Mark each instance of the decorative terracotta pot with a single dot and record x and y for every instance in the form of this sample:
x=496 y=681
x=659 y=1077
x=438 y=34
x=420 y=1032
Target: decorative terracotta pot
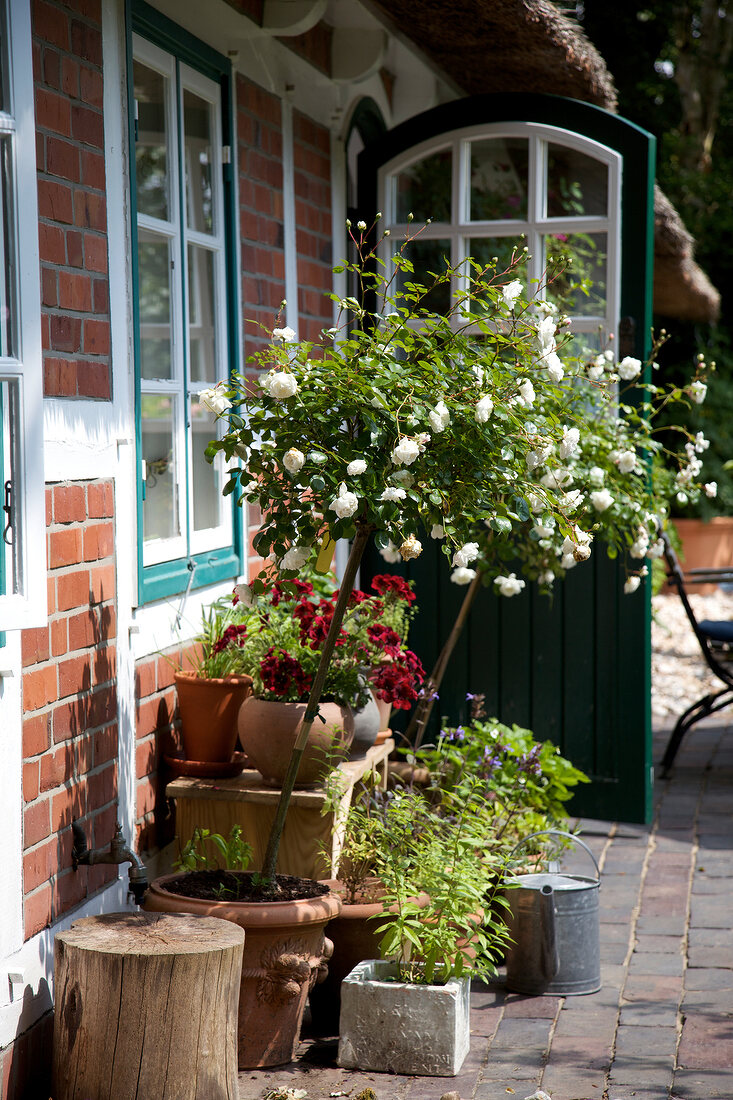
x=705 y=545
x=267 y=730
x=284 y=950
x=208 y=710
x=355 y=938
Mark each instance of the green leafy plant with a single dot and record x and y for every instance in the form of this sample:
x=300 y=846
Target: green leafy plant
x=232 y=853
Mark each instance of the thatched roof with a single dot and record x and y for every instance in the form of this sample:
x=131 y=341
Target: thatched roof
x=529 y=46
x=681 y=289
x=503 y=46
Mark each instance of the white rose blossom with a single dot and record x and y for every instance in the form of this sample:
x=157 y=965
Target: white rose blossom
x=405 y=452
x=698 y=392
x=295 y=557
x=244 y=595
x=561 y=478
x=629 y=368
x=437 y=531
x=293 y=460
x=577 y=545
x=554 y=367
x=569 y=444
x=390 y=553
x=439 y=417
x=356 y=466
x=393 y=494
x=462 y=575
x=281 y=385
x=571 y=501
x=656 y=550
x=411 y=548
x=284 y=335
x=601 y=500
x=345 y=504
x=546 y=335
x=483 y=410
x=215 y=400
x=626 y=461
x=526 y=391
x=511 y=292
x=539 y=455
x=510 y=585
x=544 y=531
x=631 y=585
x=711 y=489
x=596 y=475
x=465 y=555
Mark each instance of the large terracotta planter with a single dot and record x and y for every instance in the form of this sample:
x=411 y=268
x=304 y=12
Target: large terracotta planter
x=705 y=545
x=355 y=938
x=209 y=710
x=284 y=949
x=267 y=730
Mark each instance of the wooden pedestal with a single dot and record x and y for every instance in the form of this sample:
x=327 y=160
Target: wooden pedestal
x=146 y=1006
x=312 y=839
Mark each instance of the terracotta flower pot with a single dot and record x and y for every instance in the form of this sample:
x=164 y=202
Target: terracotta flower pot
x=385 y=711
x=209 y=710
x=355 y=938
x=267 y=730
x=284 y=949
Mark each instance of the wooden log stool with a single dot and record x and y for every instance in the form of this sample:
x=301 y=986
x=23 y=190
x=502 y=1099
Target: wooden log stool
x=146 y=1008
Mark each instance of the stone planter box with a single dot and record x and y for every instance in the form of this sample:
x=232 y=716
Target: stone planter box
x=395 y=1027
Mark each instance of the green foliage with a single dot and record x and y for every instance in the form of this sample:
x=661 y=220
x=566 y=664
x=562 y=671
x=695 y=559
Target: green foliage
x=526 y=783
x=231 y=854
x=214 y=657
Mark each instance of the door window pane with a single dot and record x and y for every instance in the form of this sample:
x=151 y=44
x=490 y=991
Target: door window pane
x=429 y=259
x=201 y=315
x=151 y=147
x=498 y=179
x=208 y=501
x=160 y=508
x=154 y=279
x=7 y=254
x=424 y=189
x=197 y=153
x=576 y=183
x=589 y=256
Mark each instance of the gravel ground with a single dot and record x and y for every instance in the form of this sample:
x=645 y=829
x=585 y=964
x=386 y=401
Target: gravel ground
x=679 y=674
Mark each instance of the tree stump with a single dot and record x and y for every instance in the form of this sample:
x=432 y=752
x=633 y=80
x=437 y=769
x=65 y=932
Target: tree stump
x=146 y=1008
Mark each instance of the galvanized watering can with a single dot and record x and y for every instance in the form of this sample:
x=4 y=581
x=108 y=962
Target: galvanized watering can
x=554 y=926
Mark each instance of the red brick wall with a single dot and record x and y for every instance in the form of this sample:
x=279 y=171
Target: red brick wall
x=311 y=150
x=70 y=704
x=67 y=68
x=259 y=139
x=156 y=736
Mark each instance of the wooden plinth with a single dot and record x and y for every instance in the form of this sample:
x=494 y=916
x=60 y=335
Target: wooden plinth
x=146 y=1006
x=312 y=840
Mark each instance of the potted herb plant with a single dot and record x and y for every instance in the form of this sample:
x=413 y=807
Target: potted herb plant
x=211 y=689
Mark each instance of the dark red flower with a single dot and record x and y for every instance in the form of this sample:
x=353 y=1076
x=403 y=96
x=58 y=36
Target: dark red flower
x=236 y=633
x=388 y=582
x=280 y=672
x=382 y=635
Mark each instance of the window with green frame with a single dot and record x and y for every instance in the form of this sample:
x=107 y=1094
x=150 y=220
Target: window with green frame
x=184 y=299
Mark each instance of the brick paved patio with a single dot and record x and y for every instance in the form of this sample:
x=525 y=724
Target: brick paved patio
x=662 y=1025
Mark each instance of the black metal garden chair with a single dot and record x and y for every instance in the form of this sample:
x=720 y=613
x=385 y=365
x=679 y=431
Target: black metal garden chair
x=716 y=644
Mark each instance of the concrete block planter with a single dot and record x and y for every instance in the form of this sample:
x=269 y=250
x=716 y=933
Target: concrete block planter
x=396 y=1027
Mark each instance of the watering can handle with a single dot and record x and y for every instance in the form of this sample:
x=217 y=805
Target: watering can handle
x=557 y=832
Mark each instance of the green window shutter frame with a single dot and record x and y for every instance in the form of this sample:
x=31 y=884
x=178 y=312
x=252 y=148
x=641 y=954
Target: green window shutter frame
x=172 y=577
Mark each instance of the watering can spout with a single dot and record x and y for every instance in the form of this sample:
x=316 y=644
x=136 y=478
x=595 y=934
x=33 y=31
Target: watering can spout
x=549 y=959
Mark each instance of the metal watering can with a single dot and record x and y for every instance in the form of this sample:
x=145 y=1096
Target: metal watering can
x=555 y=931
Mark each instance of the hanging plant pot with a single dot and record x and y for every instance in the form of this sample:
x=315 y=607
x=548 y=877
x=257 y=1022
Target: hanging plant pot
x=284 y=951
x=268 y=729
x=209 y=710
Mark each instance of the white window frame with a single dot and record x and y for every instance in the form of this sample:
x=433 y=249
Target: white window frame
x=24 y=604
x=459 y=231
x=180 y=387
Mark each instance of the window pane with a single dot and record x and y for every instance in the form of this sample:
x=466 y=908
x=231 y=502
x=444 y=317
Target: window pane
x=424 y=189
x=9 y=527
x=154 y=279
x=207 y=478
x=576 y=183
x=485 y=249
x=589 y=256
x=499 y=179
x=160 y=508
x=7 y=254
x=201 y=314
x=197 y=150
x=151 y=148
x=428 y=257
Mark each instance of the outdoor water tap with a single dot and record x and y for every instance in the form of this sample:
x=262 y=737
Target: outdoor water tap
x=117 y=852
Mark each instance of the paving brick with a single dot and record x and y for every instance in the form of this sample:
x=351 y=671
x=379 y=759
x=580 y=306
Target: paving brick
x=708 y=980
x=650 y=962
x=710 y=956
x=649 y=1015
x=701 y=1084
x=638 y=1041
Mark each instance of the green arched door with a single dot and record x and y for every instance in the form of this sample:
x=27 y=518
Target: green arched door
x=491 y=172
